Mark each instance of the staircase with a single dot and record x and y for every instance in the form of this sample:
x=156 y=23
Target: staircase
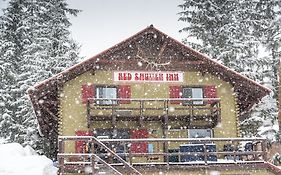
x=91 y=163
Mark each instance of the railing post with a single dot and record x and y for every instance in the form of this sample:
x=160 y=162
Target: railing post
x=263 y=147
x=61 y=158
x=141 y=119
x=166 y=107
x=130 y=156
x=165 y=134
x=93 y=161
x=234 y=151
x=205 y=154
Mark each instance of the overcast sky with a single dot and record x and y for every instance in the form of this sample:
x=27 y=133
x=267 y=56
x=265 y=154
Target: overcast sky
x=104 y=23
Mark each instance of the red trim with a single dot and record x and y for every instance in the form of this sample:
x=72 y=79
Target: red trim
x=139 y=147
x=210 y=92
x=81 y=146
x=124 y=91
x=88 y=92
x=175 y=92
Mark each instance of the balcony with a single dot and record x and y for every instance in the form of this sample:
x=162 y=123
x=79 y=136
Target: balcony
x=200 y=152
x=158 y=109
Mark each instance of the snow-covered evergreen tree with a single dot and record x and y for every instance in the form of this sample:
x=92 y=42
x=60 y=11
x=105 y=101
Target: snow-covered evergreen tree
x=13 y=38
x=233 y=32
x=35 y=44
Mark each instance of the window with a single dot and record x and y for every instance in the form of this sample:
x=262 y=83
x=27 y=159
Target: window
x=103 y=92
x=200 y=133
x=208 y=92
x=193 y=92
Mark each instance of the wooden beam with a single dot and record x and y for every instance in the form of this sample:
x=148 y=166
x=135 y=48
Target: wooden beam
x=49 y=112
x=141 y=117
x=162 y=50
x=51 y=102
x=145 y=118
x=113 y=121
x=165 y=135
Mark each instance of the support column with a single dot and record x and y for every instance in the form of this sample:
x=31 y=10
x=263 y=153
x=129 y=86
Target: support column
x=88 y=114
x=165 y=135
x=141 y=118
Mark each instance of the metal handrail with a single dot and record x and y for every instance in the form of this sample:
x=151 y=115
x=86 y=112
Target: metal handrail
x=126 y=164
x=95 y=141
x=108 y=165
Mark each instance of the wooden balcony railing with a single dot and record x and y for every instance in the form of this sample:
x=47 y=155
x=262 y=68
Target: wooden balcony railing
x=181 y=151
x=150 y=109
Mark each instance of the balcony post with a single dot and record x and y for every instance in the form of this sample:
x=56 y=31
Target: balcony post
x=235 y=151
x=141 y=113
x=205 y=153
x=61 y=158
x=263 y=147
x=165 y=134
x=93 y=161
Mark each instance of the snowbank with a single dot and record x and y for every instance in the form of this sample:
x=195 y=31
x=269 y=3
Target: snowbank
x=18 y=160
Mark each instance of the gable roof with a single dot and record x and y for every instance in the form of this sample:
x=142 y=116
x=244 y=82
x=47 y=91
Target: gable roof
x=155 y=51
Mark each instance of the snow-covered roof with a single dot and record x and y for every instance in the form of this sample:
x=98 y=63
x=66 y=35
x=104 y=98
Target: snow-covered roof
x=155 y=51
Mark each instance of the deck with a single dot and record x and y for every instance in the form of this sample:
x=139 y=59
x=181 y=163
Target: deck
x=155 y=109
x=206 y=152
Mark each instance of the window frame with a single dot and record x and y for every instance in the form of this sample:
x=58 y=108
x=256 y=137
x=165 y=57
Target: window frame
x=98 y=102
x=207 y=129
x=185 y=103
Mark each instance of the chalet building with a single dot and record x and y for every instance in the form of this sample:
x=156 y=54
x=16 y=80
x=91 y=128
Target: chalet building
x=150 y=105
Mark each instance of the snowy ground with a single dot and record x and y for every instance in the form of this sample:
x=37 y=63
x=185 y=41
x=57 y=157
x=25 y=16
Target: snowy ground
x=18 y=160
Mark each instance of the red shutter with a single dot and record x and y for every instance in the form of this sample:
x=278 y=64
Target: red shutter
x=81 y=146
x=139 y=147
x=210 y=92
x=124 y=91
x=175 y=92
x=88 y=92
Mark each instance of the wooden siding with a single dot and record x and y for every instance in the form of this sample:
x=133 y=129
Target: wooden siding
x=73 y=112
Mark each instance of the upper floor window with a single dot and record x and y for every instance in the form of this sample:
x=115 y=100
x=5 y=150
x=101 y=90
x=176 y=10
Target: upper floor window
x=196 y=93
x=106 y=93
x=91 y=92
x=193 y=92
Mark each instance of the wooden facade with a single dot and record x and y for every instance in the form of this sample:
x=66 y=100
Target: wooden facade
x=149 y=87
